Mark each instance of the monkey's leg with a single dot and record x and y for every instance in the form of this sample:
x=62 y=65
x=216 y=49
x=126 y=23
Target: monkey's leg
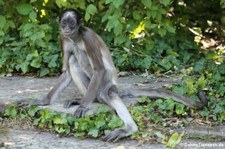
x=63 y=82
x=80 y=79
x=130 y=126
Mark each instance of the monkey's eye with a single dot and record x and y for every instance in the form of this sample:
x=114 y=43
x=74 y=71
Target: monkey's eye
x=63 y=22
x=72 y=23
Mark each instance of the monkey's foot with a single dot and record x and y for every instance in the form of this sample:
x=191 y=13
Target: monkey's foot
x=80 y=111
x=31 y=102
x=69 y=103
x=116 y=135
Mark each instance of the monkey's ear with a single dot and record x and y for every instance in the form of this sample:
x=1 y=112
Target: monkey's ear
x=80 y=21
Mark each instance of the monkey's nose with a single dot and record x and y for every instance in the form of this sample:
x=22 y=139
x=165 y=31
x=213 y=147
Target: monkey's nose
x=67 y=29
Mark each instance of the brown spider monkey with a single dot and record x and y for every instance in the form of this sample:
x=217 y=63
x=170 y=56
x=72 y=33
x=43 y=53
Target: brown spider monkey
x=87 y=61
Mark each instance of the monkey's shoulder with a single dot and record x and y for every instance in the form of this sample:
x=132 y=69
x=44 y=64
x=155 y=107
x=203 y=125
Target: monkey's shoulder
x=87 y=32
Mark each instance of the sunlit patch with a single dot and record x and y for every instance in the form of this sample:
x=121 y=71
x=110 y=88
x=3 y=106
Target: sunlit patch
x=43 y=13
x=44 y=2
x=8 y=144
x=137 y=33
x=31 y=90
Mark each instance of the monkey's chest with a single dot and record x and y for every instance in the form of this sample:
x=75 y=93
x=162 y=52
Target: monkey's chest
x=83 y=61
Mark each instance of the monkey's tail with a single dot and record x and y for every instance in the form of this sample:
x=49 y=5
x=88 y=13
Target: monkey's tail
x=165 y=94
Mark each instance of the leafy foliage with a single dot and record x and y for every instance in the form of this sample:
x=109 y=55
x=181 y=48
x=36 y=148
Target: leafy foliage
x=150 y=34
x=94 y=125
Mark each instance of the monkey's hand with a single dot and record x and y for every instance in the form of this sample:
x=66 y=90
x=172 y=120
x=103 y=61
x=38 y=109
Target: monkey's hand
x=39 y=102
x=116 y=135
x=81 y=111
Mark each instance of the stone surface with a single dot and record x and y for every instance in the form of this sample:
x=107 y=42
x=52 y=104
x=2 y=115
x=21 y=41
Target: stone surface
x=17 y=88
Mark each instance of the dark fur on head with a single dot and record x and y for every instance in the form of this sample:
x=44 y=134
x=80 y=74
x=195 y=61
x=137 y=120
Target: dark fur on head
x=75 y=12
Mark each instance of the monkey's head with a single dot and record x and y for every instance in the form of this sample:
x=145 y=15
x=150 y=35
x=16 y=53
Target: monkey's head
x=70 y=21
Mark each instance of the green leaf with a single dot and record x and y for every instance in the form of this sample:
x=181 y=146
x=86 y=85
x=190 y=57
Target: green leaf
x=218 y=109
x=118 y=3
x=108 y=1
x=11 y=24
x=1 y=41
x=170 y=104
x=37 y=35
x=101 y=109
x=2 y=33
x=202 y=82
x=87 y=16
x=119 y=40
x=33 y=110
x=32 y=1
x=94 y=132
x=57 y=120
x=200 y=65
x=162 y=32
x=115 y=122
x=26 y=27
x=60 y=129
x=180 y=108
x=147 y=3
x=174 y=139
x=165 y=63
x=44 y=72
x=180 y=90
x=2 y=21
x=91 y=9
x=137 y=15
x=222 y=2
x=24 y=9
x=165 y=2
x=36 y=63
x=147 y=62
x=100 y=123
x=170 y=29
x=24 y=67
x=118 y=29
x=33 y=15
x=11 y=111
x=61 y=3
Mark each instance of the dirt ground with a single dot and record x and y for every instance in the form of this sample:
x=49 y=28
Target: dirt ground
x=17 y=88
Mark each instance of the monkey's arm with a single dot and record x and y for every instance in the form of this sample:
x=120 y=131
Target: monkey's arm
x=95 y=58
x=66 y=55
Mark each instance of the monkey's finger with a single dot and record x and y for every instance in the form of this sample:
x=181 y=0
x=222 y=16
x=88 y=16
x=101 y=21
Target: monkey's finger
x=107 y=137
x=111 y=138
x=67 y=104
x=83 y=113
x=77 y=113
x=118 y=138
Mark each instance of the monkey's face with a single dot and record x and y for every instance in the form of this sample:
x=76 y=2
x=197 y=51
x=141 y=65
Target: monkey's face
x=69 y=23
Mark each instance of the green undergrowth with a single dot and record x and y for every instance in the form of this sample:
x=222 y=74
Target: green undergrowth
x=100 y=123
x=157 y=120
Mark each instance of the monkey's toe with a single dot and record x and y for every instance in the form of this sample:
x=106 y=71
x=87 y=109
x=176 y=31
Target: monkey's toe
x=115 y=135
x=80 y=111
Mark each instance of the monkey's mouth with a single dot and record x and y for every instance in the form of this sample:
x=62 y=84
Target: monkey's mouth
x=67 y=32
